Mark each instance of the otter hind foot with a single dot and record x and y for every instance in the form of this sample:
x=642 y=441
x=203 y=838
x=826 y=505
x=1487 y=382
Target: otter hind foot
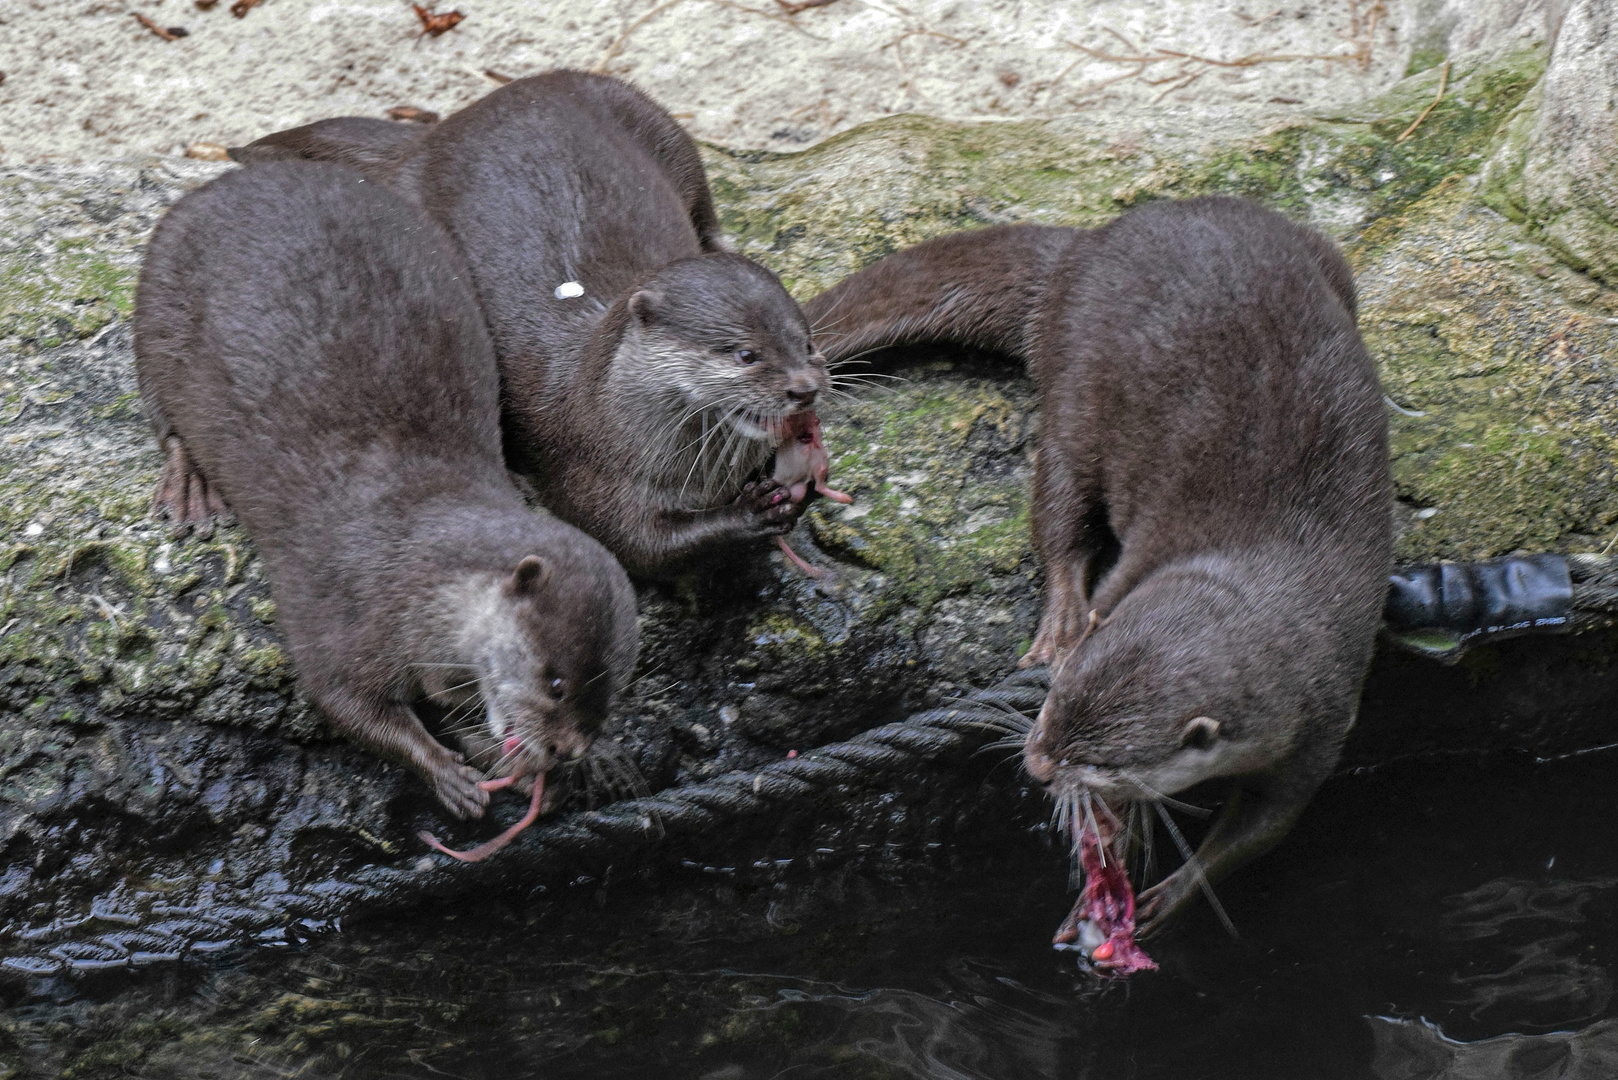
x=184 y=494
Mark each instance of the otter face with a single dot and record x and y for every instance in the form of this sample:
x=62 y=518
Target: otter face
x=723 y=335
x=1169 y=691
x=551 y=646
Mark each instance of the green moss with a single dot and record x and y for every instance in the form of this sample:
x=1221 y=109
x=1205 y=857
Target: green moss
x=824 y=212
x=1515 y=442
x=64 y=295
x=921 y=516
x=786 y=637
x=1424 y=58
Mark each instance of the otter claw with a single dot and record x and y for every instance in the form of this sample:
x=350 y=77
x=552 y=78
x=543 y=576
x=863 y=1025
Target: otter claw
x=459 y=789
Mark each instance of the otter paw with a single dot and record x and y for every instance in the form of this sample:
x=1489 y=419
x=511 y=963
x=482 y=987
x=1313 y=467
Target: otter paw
x=184 y=495
x=1039 y=654
x=1161 y=904
x=457 y=788
x=771 y=507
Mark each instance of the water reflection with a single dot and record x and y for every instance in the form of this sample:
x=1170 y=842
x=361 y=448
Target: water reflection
x=1420 y=923
x=1407 y=1050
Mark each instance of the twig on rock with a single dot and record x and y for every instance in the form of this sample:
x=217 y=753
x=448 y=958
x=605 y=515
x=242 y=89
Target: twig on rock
x=172 y=33
x=622 y=39
x=435 y=25
x=1443 y=81
x=412 y=114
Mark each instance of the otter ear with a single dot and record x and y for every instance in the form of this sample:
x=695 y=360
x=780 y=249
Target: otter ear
x=646 y=305
x=529 y=573
x=1199 y=733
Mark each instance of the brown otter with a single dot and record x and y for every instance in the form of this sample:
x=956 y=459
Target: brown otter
x=646 y=371
x=1211 y=495
x=311 y=345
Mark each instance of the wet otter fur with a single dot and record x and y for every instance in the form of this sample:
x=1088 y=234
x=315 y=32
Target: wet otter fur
x=309 y=346
x=647 y=372
x=1211 y=497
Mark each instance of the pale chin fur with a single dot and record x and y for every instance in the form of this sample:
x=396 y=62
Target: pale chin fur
x=491 y=647
x=749 y=430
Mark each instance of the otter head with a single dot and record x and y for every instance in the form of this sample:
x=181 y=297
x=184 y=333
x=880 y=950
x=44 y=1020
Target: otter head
x=721 y=336
x=1192 y=677
x=551 y=642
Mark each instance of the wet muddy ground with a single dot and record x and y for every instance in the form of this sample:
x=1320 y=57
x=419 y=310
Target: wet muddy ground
x=1424 y=920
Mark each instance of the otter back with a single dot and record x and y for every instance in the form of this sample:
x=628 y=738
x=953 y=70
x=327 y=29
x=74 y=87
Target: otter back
x=645 y=370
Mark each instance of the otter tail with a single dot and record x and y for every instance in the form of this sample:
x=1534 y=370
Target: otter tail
x=357 y=141
x=978 y=288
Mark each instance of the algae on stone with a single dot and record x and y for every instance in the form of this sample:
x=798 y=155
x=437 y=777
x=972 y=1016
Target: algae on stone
x=155 y=745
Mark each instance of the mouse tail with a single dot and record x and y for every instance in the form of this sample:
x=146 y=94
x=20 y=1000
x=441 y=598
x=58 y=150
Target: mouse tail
x=978 y=289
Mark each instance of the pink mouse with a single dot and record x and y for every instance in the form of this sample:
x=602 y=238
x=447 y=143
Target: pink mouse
x=801 y=460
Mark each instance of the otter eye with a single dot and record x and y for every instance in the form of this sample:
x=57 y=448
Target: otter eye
x=556 y=688
x=1199 y=733
x=746 y=356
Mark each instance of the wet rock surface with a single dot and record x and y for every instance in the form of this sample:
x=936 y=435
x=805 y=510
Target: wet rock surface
x=164 y=788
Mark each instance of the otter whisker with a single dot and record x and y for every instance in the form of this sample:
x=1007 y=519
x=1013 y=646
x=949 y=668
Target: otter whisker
x=1141 y=826
x=824 y=323
x=867 y=352
x=453 y=718
x=1013 y=743
x=458 y=686
x=1159 y=797
x=1196 y=868
x=697 y=456
x=839 y=377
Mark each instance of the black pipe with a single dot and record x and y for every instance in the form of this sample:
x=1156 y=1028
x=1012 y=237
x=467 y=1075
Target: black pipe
x=1441 y=609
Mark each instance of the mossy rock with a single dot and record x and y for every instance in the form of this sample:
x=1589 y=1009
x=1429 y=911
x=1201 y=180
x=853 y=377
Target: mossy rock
x=157 y=755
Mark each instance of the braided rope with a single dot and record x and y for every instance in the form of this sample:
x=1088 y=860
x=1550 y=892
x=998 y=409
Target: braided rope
x=219 y=919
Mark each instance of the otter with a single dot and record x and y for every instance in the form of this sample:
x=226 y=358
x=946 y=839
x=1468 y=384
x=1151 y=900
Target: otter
x=1211 y=497
x=311 y=354
x=647 y=370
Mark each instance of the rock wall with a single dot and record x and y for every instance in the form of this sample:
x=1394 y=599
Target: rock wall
x=158 y=763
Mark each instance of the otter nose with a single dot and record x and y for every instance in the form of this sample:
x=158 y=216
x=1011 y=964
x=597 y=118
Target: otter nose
x=802 y=397
x=1039 y=765
x=567 y=747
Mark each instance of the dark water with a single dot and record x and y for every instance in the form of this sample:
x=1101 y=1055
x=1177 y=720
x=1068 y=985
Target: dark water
x=1427 y=920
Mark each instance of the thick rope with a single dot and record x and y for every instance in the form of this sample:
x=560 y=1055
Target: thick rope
x=217 y=919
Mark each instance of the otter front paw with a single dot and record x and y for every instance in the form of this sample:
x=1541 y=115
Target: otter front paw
x=1062 y=629
x=770 y=507
x=1161 y=904
x=457 y=788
